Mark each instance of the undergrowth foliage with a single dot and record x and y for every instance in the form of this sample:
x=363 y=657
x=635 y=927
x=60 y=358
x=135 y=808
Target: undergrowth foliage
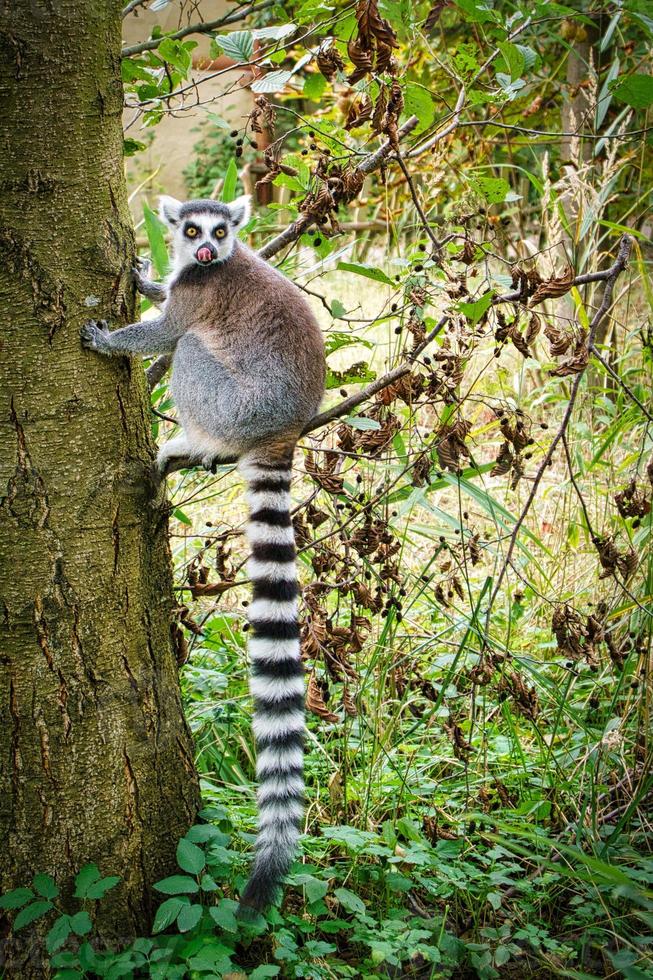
x=473 y=518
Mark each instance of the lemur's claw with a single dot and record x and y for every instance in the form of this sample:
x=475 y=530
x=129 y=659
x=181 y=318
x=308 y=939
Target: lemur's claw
x=144 y=265
x=93 y=333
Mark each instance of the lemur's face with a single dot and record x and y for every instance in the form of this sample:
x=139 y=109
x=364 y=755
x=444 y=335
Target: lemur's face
x=204 y=232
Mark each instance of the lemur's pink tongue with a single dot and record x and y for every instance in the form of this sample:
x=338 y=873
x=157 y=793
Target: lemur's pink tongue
x=203 y=255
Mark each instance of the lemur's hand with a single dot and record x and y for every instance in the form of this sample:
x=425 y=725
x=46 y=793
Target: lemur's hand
x=95 y=335
x=141 y=272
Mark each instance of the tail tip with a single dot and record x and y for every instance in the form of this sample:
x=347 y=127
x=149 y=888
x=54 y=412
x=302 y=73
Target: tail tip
x=260 y=892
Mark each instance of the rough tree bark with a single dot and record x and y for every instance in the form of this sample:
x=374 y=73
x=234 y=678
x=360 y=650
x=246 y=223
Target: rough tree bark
x=95 y=756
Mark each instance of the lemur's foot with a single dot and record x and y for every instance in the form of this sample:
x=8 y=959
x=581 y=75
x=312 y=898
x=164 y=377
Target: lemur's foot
x=211 y=463
x=94 y=335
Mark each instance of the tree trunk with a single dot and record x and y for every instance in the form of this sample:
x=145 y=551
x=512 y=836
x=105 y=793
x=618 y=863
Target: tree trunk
x=95 y=756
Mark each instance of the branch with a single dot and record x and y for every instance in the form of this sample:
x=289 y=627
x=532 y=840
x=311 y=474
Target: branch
x=132 y=5
x=344 y=407
x=202 y=27
x=610 y=276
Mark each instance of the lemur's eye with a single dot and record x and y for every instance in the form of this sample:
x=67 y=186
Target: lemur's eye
x=220 y=232
x=191 y=231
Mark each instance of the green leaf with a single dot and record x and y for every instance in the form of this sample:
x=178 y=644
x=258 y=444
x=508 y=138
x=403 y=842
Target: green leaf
x=230 y=182
x=369 y=271
x=476 y=11
x=266 y=970
x=16 y=899
x=176 y=54
x=177 y=885
x=474 y=311
x=362 y=422
x=493 y=189
x=201 y=833
x=337 y=309
x=190 y=857
x=154 y=228
x=314 y=887
x=238 y=45
x=314 y=86
x=274 y=33
x=81 y=923
x=131 y=146
x=418 y=102
x=179 y=514
x=513 y=58
x=188 y=917
x=29 y=914
x=45 y=886
x=350 y=901
x=224 y=914
x=99 y=888
x=636 y=91
x=167 y=913
x=85 y=878
x=274 y=81
x=58 y=934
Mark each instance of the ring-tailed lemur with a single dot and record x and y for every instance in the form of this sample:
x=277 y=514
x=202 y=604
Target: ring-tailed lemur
x=248 y=374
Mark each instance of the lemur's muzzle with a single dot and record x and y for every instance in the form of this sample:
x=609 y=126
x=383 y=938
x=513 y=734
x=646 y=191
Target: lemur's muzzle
x=206 y=254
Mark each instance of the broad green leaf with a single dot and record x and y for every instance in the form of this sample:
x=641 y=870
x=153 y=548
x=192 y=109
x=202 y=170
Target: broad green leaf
x=266 y=970
x=85 y=878
x=177 y=54
x=230 y=182
x=635 y=91
x=30 y=913
x=274 y=81
x=203 y=832
x=99 y=888
x=16 y=899
x=238 y=45
x=418 y=102
x=224 y=914
x=58 y=934
x=188 y=917
x=275 y=33
x=314 y=887
x=154 y=228
x=177 y=885
x=167 y=913
x=45 y=886
x=337 y=309
x=362 y=422
x=81 y=923
x=314 y=86
x=493 y=189
x=190 y=857
x=476 y=310
x=350 y=901
x=369 y=271
x=130 y=147
x=513 y=57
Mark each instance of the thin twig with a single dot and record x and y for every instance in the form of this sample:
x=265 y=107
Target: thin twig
x=132 y=5
x=202 y=27
x=631 y=394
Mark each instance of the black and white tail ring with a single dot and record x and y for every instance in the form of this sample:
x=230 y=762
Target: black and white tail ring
x=277 y=677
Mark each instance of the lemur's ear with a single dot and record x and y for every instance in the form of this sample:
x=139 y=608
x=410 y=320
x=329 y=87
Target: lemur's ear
x=169 y=210
x=241 y=210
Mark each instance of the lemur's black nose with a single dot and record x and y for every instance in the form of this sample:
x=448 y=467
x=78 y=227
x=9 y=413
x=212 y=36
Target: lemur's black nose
x=206 y=253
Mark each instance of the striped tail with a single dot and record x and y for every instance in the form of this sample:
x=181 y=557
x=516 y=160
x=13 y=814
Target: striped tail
x=277 y=676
